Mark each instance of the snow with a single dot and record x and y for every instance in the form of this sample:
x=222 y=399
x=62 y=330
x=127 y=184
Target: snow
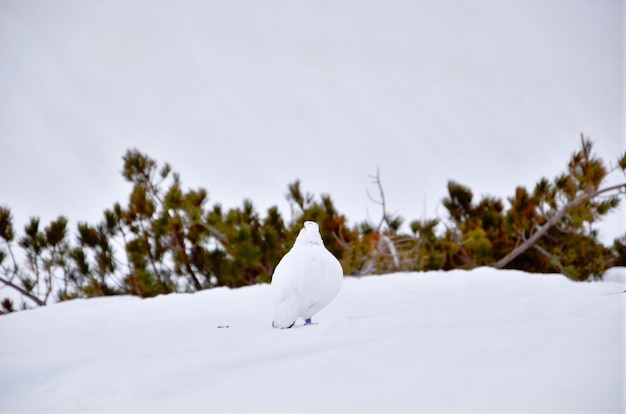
x=459 y=341
x=306 y=279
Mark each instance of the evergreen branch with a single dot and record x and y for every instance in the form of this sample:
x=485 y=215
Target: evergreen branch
x=586 y=195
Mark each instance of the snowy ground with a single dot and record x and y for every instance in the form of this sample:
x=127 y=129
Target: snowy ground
x=483 y=340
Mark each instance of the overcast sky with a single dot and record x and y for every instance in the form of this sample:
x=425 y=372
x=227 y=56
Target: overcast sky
x=244 y=97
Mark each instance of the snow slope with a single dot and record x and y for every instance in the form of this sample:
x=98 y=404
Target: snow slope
x=483 y=340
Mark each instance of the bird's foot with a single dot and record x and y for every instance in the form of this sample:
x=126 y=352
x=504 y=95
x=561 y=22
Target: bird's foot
x=308 y=321
x=290 y=326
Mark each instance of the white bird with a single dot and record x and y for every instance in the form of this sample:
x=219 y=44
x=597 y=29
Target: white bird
x=305 y=280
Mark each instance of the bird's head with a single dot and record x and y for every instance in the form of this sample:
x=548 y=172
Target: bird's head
x=310 y=234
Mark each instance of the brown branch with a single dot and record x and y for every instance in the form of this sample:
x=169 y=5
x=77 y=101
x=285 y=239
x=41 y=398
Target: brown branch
x=180 y=244
x=23 y=291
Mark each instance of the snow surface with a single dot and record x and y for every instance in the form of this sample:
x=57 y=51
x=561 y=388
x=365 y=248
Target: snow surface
x=481 y=340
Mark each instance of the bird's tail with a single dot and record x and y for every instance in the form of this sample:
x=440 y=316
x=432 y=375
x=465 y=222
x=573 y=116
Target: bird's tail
x=285 y=314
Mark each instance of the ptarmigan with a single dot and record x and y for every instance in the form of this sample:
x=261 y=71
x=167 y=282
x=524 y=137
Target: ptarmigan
x=305 y=280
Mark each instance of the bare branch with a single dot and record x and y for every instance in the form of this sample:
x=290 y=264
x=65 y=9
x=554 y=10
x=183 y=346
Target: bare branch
x=382 y=202
x=344 y=244
x=391 y=248
x=552 y=259
x=215 y=233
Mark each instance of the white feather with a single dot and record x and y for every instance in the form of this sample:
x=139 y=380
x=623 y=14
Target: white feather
x=306 y=279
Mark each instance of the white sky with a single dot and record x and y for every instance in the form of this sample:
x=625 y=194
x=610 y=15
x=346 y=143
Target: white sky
x=244 y=97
